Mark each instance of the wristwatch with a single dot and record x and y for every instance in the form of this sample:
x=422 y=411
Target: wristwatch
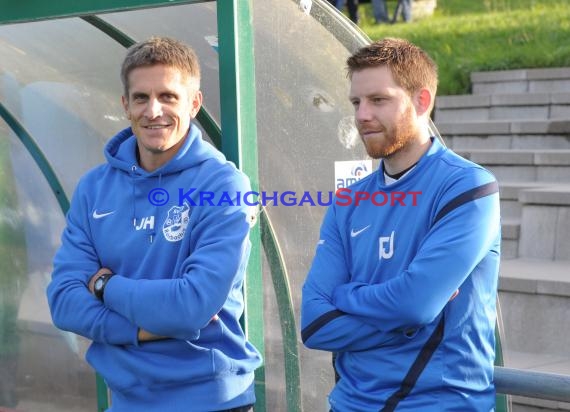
x=99 y=286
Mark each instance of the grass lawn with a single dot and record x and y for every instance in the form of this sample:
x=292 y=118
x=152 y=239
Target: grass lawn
x=478 y=35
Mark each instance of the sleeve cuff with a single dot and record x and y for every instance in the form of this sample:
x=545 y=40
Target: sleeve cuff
x=121 y=331
x=117 y=295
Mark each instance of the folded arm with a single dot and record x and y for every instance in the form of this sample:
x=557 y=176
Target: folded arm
x=212 y=272
x=465 y=232
x=324 y=326
x=73 y=307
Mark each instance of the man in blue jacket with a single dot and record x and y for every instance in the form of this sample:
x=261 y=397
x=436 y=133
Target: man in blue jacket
x=148 y=270
x=404 y=281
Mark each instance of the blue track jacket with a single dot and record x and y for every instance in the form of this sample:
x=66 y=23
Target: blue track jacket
x=378 y=292
x=176 y=265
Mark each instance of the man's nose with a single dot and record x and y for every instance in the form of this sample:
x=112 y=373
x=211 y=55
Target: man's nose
x=363 y=112
x=153 y=109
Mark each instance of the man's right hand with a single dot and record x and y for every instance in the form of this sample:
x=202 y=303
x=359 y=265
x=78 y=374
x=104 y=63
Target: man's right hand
x=144 y=336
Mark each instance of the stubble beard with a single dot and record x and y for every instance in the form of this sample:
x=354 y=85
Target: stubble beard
x=395 y=139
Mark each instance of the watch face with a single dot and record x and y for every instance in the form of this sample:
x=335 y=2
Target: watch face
x=99 y=283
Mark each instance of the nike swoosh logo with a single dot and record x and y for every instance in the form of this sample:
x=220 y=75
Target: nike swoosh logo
x=100 y=215
x=356 y=233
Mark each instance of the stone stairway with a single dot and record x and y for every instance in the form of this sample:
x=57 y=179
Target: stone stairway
x=517 y=124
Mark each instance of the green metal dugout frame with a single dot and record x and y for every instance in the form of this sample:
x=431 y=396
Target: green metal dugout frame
x=38 y=156
x=237 y=97
x=34 y=10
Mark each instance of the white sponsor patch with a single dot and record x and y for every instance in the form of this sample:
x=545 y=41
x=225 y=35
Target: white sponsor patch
x=350 y=171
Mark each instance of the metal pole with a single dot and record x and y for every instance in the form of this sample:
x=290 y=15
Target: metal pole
x=532 y=384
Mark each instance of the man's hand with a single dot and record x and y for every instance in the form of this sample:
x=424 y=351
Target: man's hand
x=96 y=276
x=454 y=295
x=144 y=336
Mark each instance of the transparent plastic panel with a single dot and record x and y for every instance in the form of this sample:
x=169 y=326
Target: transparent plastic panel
x=305 y=129
x=194 y=24
x=41 y=367
x=304 y=126
x=60 y=79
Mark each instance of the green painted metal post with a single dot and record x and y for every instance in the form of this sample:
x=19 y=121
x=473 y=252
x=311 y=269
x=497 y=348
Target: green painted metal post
x=38 y=156
x=289 y=329
x=102 y=393
x=239 y=144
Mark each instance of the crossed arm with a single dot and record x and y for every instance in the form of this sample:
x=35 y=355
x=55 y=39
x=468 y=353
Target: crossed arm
x=323 y=324
x=129 y=313
x=341 y=315
x=142 y=335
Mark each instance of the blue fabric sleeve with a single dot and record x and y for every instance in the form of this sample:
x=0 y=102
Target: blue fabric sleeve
x=323 y=326
x=180 y=307
x=449 y=253
x=73 y=307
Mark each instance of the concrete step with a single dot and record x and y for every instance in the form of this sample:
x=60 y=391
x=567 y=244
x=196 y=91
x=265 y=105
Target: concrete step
x=527 y=106
x=506 y=134
x=542 y=157
x=523 y=164
x=535 y=298
x=545 y=222
x=535 y=220
x=553 y=195
x=521 y=81
x=511 y=208
x=510 y=230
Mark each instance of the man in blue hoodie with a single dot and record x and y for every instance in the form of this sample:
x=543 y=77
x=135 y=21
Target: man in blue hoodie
x=148 y=270
x=403 y=284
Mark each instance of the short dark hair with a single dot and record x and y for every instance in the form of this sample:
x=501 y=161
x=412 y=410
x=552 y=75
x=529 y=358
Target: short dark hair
x=411 y=67
x=160 y=50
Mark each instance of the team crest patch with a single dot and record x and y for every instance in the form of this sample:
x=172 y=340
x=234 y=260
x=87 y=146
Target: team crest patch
x=176 y=222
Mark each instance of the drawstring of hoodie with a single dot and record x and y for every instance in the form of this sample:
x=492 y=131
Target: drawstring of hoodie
x=133 y=170
x=153 y=232
x=150 y=231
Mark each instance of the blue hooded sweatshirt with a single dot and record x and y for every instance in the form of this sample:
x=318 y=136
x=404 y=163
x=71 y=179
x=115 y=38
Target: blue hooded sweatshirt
x=177 y=242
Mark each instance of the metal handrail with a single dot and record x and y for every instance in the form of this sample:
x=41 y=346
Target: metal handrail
x=532 y=384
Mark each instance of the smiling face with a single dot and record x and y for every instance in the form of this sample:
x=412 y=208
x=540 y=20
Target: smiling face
x=384 y=112
x=161 y=102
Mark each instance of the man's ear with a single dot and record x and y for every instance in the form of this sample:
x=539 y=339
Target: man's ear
x=125 y=102
x=424 y=102
x=196 y=104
